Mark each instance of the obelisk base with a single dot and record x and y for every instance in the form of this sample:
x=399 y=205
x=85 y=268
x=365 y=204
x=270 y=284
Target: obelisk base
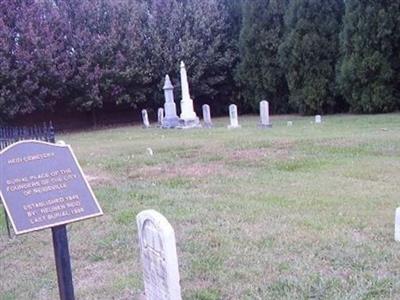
x=189 y=123
x=169 y=123
x=265 y=126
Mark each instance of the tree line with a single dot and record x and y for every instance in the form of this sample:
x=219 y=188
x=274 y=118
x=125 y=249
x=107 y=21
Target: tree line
x=303 y=56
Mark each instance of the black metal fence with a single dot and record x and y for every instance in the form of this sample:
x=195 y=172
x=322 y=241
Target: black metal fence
x=10 y=135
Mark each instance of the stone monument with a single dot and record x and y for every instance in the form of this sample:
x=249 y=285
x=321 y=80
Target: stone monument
x=171 y=119
x=318 y=119
x=188 y=116
x=207 y=116
x=145 y=117
x=264 y=115
x=160 y=116
x=397 y=225
x=233 y=117
x=159 y=258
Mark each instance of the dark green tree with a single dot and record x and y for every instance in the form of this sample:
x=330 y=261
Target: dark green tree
x=259 y=72
x=206 y=51
x=195 y=32
x=370 y=43
x=310 y=53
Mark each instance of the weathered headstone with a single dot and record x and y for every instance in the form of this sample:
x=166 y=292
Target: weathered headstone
x=188 y=116
x=145 y=117
x=160 y=116
x=397 y=225
x=159 y=258
x=233 y=117
x=318 y=119
x=207 y=116
x=171 y=119
x=264 y=115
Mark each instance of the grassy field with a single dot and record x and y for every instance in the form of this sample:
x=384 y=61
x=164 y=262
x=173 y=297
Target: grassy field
x=295 y=212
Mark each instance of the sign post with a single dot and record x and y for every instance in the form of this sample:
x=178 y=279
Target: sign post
x=42 y=186
x=63 y=262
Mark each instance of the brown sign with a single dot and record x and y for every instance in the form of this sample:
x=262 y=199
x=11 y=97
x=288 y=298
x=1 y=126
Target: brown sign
x=42 y=185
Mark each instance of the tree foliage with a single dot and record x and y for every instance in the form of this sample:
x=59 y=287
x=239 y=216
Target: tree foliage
x=370 y=44
x=88 y=55
x=259 y=72
x=310 y=52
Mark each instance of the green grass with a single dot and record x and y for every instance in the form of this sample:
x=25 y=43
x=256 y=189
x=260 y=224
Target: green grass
x=301 y=212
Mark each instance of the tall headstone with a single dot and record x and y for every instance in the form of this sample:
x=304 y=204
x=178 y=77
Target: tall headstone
x=171 y=119
x=160 y=116
x=188 y=116
x=145 y=117
x=318 y=119
x=159 y=258
x=264 y=115
x=233 y=117
x=207 y=116
x=397 y=225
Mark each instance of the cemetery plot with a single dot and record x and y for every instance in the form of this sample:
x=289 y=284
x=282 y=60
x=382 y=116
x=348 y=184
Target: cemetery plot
x=159 y=258
x=42 y=186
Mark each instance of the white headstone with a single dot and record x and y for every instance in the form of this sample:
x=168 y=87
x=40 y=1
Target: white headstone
x=318 y=119
x=233 y=117
x=207 y=116
x=145 y=117
x=289 y=123
x=159 y=258
x=397 y=226
x=160 y=116
x=188 y=115
x=264 y=115
x=171 y=119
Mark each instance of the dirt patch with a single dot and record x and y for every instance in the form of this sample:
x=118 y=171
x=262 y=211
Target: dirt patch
x=339 y=142
x=260 y=154
x=194 y=170
x=98 y=178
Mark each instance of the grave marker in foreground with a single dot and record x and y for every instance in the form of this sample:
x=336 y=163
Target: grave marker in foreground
x=159 y=258
x=42 y=186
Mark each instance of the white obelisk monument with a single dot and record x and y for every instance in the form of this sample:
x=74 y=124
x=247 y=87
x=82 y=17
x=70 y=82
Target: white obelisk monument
x=171 y=119
x=188 y=116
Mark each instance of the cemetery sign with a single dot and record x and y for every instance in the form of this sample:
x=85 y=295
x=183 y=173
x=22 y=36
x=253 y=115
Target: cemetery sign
x=42 y=186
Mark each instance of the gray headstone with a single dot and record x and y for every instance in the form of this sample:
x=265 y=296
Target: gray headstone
x=145 y=117
x=318 y=119
x=207 y=116
x=233 y=117
x=160 y=116
x=171 y=119
x=159 y=258
x=397 y=226
x=264 y=115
